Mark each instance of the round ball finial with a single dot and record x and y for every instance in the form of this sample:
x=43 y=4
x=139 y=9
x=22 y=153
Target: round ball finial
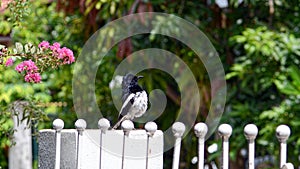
x=80 y=124
x=250 y=131
x=103 y=124
x=178 y=129
x=127 y=125
x=283 y=132
x=58 y=124
x=200 y=130
x=225 y=131
x=288 y=166
x=151 y=127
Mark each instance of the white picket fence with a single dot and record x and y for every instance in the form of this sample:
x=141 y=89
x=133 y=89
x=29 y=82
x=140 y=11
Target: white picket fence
x=128 y=148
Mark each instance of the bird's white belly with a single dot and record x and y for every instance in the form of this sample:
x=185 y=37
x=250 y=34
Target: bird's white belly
x=140 y=105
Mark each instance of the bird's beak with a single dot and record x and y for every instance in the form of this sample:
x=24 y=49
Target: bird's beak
x=139 y=77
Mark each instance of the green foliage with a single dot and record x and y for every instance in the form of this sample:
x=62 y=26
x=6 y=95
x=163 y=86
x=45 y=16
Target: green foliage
x=5 y=28
x=268 y=91
x=18 y=9
x=6 y=131
x=56 y=87
x=260 y=51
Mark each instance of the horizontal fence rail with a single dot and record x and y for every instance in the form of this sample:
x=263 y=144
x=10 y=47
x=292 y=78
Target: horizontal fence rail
x=131 y=148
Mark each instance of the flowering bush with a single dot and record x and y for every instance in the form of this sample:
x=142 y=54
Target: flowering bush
x=35 y=59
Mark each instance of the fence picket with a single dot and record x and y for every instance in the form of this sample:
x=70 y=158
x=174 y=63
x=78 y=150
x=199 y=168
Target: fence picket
x=151 y=128
x=88 y=146
x=288 y=166
x=250 y=132
x=135 y=147
x=155 y=147
x=282 y=133
x=47 y=151
x=178 y=129
x=200 y=131
x=58 y=125
x=112 y=146
x=103 y=125
x=80 y=125
x=68 y=148
x=225 y=131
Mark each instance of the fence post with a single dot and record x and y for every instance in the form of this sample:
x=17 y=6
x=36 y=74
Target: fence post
x=282 y=133
x=250 y=132
x=288 y=166
x=80 y=125
x=151 y=128
x=127 y=126
x=225 y=131
x=178 y=129
x=200 y=131
x=103 y=125
x=155 y=146
x=58 y=125
x=22 y=150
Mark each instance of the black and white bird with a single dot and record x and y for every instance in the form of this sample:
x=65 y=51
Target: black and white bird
x=134 y=98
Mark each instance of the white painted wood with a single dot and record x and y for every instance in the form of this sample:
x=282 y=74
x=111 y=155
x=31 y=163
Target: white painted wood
x=288 y=166
x=250 y=132
x=156 y=150
x=178 y=129
x=103 y=125
x=225 y=131
x=127 y=126
x=112 y=145
x=200 y=131
x=88 y=154
x=89 y=149
x=151 y=128
x=282 y=133
x=135 y=150
x=154 y=158
x=20 y=155
x=58 y=125
x=80 y=126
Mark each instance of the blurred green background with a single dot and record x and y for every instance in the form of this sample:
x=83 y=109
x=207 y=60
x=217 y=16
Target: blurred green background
x=258 y=42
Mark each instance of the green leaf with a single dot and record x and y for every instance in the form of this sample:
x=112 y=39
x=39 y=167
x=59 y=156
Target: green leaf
x=26 y=48
x=33 y=50
x=294 y=72
x=98 y=5
x=286 y=87
x=19 y=47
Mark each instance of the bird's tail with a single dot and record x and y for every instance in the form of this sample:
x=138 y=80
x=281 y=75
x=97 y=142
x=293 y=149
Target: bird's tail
x=119 y=122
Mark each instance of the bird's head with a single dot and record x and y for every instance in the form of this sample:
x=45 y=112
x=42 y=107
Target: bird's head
x=130 y=79
x=135 y=79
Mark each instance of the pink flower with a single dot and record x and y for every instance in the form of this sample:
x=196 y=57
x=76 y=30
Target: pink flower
x=30 y=66
x=26 y=65
x=33 y=77
x=20 y=67
x=44 y=44
x=9 y=62
x=66 y=55
x=55 y=46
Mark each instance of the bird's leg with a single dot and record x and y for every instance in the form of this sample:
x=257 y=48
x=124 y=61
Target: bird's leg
x=119 y=122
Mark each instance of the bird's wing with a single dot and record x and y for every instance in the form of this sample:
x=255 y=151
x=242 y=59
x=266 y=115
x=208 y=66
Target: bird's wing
x=125 y=94
x=126 y=105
